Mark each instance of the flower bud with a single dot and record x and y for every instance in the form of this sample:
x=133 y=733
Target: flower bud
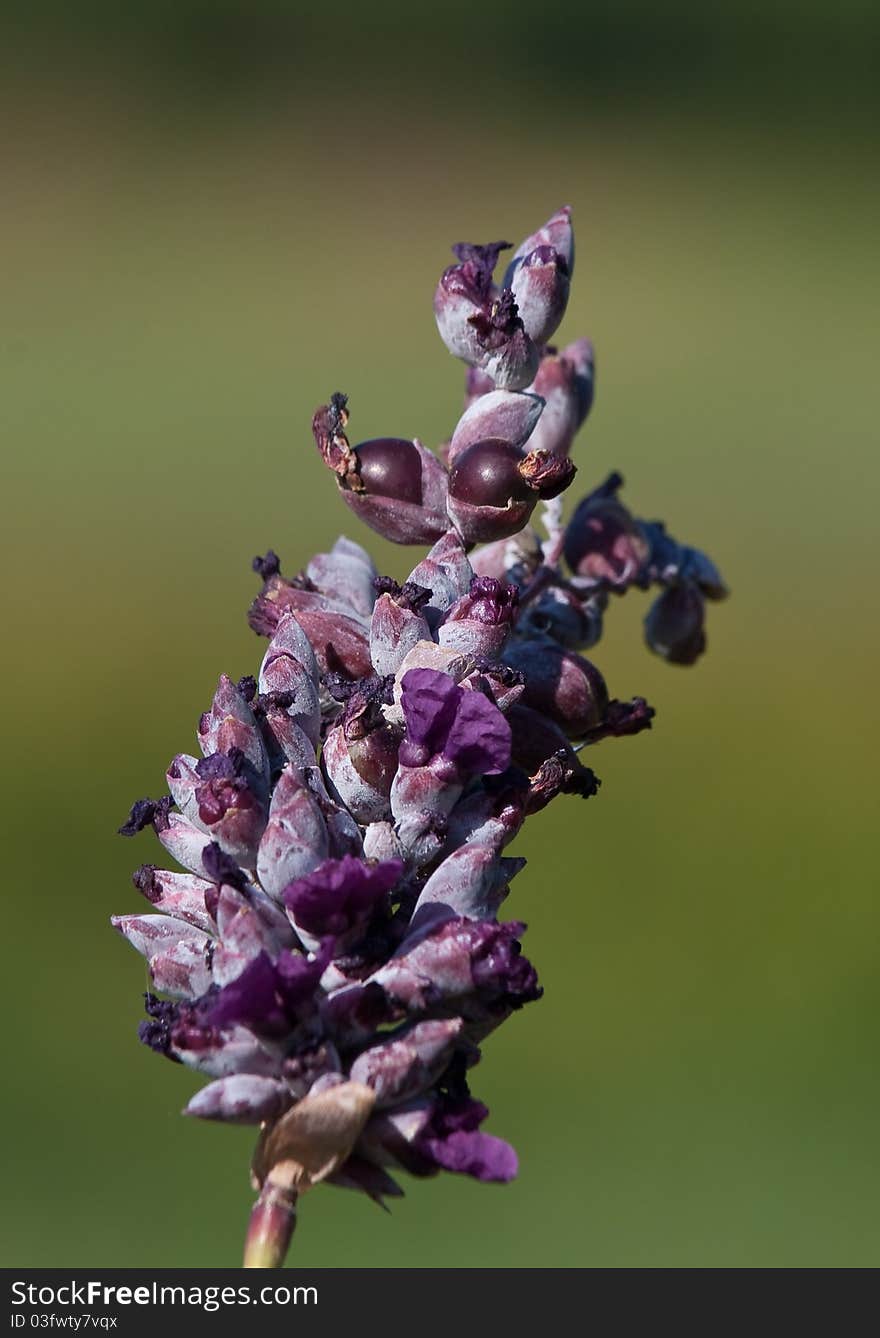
x=561 y=685
x=479 y=623
x=409 y=1062
x=565 y=381
x=242 y=1098
x=502 y=415
x=481 y=325
x=493 y=488
x=674 y=624
x=394 y=485
x=540 y=284
x=289 y=676
x=557 y=233
x=230 y=724
x=604 y=545
x=397 y=625
x=360 y=759
x=295 y=840
x=558 y=614
x=446 y=572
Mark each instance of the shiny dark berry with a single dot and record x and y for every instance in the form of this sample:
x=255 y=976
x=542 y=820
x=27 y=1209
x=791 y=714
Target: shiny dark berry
x=487 y=474
x=390 y=467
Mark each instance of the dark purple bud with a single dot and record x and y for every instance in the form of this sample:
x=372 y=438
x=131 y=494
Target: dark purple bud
x=451 y=1140
x=559 y=614
x=478 y=624
x=561 y=685
x=493 y=488
x=540 y=285
x=566 y=382
x=462 y=726
x=670 y=563
x=339 y=895
x=502 y=415
x=674 y=624
x=394 y=485
x=604 y=545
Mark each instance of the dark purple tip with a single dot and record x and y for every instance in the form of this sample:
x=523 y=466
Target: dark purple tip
x=452 y=1141
x=146 y=813
x=222 y=868
x=267 y=566
x=339 y=893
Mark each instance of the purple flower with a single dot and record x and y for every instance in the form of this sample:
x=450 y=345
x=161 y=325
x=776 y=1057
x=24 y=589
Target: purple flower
x=329 y=956
x=339 y=894
x=443 y=719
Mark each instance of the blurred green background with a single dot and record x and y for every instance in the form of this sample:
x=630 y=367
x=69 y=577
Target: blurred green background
x=214 y=215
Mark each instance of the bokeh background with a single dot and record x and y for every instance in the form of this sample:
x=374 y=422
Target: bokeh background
x=215 y=214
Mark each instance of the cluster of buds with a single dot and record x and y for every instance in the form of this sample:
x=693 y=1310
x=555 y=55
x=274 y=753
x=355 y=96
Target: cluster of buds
x=329 y=952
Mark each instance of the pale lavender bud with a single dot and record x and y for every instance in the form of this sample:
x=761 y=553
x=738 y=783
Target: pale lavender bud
x=231 y=724
x=557 y=233
x=408 y=1063
x=394 y=485
x=478 y=624
x=178 y=954
x=502 y=415
x=289 y=676
x=360 y=754
x=242 y=1098
x=565 y=381
x=475 y=966
x=540 y=284
x=295 y=840
x=381 y=842
x=181 y=895
x=345 y=574
x=479 y=324
x=445 y=571
x=397 y=625
x=470 y=882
